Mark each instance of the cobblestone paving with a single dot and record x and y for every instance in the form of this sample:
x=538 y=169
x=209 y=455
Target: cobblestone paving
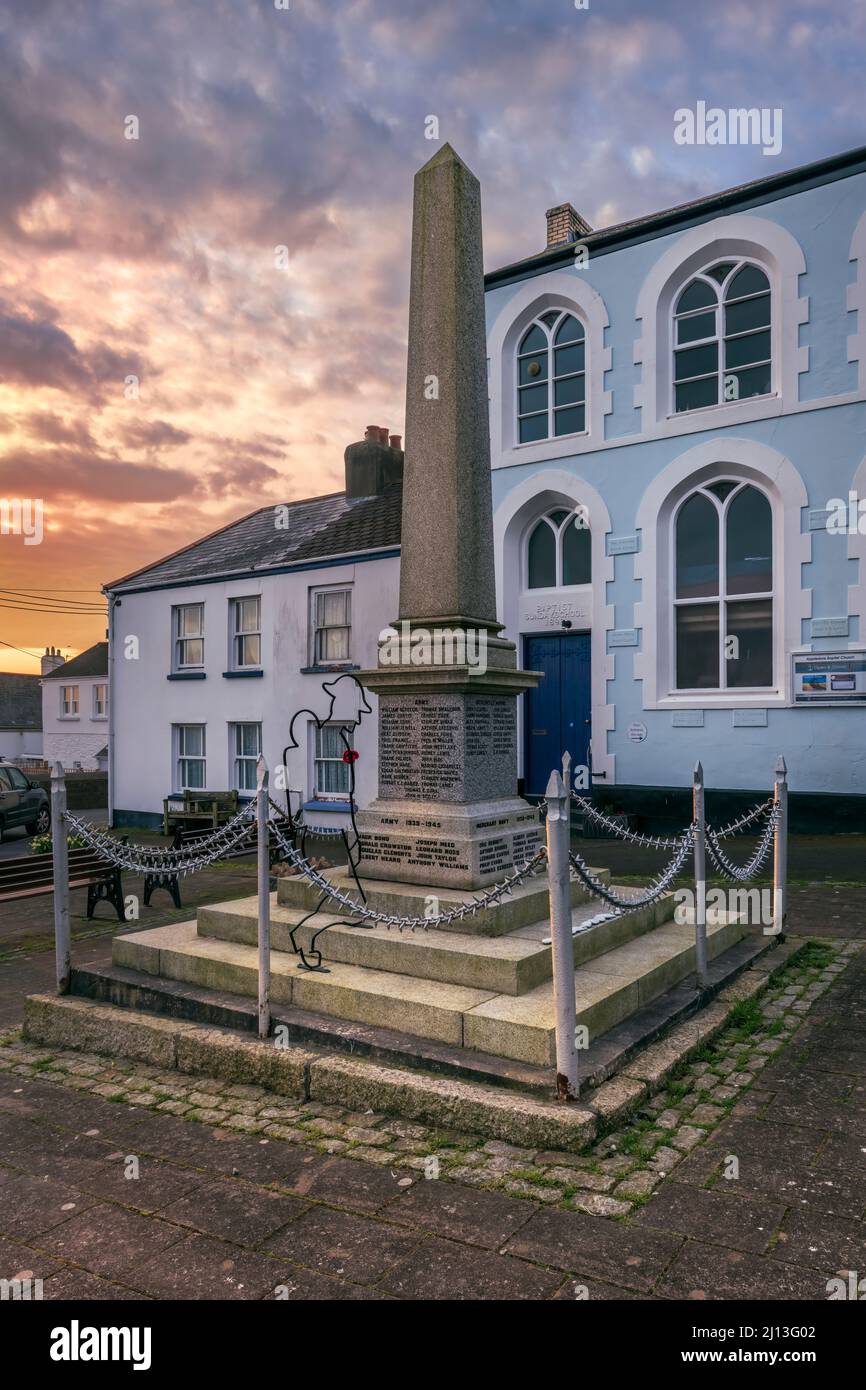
x=241 y=1194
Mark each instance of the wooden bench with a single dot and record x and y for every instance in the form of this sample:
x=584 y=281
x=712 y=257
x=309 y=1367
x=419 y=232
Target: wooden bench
x=33 y=874
x=187 y=839
x=202 y=809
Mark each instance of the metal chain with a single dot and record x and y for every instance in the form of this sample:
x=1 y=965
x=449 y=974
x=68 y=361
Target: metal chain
x=755 y=814
x=144 y=859
x=742 y=872
x=657 y=889
x=358 y=909
x=623 y=833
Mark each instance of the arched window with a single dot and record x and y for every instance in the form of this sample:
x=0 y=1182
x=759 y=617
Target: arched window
x=723 y=588
x=558 y=551
x=551 y=377
x=722 y=336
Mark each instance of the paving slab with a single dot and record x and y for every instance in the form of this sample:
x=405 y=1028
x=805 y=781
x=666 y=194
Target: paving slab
x=703 y=1271
x=815 y=1238
x=740 y=1223
x=156 y=1186
x=346 y=1182
x=197 y=1267
x=110 y=1240
x=601 y=1249
x=30 y=1206
x=442 y=1270
x=18 y=1261
x=344 y=1243
x=76 y=1284
x=235 y=1211
x=446 y=1209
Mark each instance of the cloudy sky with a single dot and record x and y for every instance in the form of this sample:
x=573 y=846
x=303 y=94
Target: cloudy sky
x=302 y=127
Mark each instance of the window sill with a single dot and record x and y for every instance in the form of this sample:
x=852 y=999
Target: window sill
x=729 y=406
x=99 y=718
x=696 y=699
x=329 y=670
x=550 y=439
x=186 y=676
x=69 y=718
x=243 y=675
x=341 y=807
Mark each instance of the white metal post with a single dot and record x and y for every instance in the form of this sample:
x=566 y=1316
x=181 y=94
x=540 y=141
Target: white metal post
x=699 y=817
x=780 y=850
x=60 y=856
x=562 y=948
x=264 y=892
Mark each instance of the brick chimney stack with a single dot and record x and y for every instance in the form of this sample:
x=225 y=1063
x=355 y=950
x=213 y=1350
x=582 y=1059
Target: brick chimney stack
x=564 y=225
x=51 y=660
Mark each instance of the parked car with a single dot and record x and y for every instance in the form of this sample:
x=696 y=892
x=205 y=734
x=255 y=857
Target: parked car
x=22 y=802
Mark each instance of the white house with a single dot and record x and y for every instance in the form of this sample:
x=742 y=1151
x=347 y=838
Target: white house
x=75 y=711
x=214 y=649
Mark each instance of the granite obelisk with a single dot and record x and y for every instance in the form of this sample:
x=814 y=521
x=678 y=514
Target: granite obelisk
x=447 y=813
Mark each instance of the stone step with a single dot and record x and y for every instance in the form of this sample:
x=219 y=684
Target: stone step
x=520 y=1027
x=509 y=964
x=607 y=990
x=525 y=904
x=426 y=1008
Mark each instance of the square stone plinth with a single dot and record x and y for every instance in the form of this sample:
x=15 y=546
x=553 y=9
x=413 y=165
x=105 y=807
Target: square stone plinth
x=461 y=846
x=447 y=747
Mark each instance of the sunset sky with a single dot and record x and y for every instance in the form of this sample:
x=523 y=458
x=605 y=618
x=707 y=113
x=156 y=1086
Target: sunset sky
x=259 y=128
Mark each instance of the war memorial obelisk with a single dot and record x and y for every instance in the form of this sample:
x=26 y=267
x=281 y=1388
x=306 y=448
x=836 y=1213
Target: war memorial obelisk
x=447 y=814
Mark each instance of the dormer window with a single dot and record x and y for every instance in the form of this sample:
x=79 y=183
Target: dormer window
x=551 y=378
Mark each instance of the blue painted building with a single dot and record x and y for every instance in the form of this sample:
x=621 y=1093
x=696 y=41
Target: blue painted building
x=677 y=424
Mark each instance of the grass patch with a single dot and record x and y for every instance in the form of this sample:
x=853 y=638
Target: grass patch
x=745 y=1019
x=677 y=1092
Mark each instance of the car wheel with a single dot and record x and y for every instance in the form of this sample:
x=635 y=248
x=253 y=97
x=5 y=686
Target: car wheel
x=40 y=824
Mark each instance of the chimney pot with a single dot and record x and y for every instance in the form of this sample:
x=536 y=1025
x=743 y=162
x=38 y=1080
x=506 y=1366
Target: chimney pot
x=395 y=440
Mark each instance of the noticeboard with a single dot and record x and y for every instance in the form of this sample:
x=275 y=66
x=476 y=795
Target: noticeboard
x=829 y=678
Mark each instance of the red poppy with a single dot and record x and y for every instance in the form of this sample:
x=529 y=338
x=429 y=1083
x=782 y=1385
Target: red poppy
x=350 y=755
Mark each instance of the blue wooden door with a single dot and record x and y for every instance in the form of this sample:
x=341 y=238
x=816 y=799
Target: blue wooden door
x=558 y=710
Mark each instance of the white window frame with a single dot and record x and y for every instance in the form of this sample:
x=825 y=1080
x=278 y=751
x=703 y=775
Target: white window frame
x=180 y=757
x=574 y=513
x=70 y=705
x=722 y=598
x=568 y=290
x=720 y=337
x=737 y=237
x=237 y=636
x=103 y=712
x=236 y=757
x=178 y=638
x=551 y=379
x=317 y=794
x=747 y=461
x=316 y=627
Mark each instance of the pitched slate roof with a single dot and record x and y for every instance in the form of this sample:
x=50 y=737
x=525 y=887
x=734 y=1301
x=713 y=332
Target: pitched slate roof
x=317 y=528
x=93 y=662
x=20 y=702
